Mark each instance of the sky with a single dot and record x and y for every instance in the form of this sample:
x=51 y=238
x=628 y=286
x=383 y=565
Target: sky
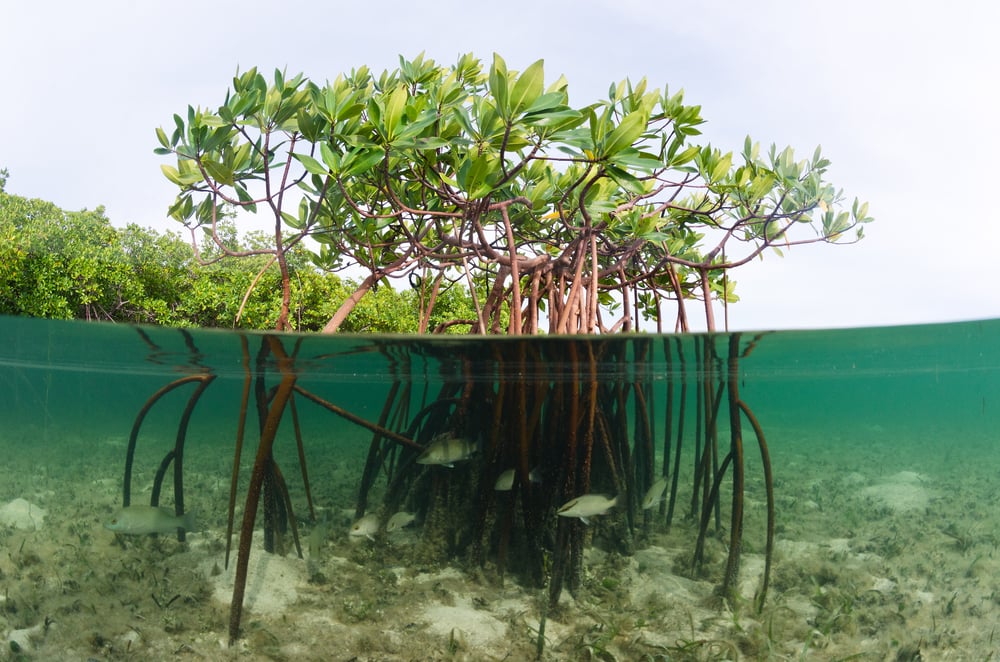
x=904 y=99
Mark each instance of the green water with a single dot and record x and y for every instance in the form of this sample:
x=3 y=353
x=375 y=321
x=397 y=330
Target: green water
x=915 y=384
x=914 y=379
x=853 y=418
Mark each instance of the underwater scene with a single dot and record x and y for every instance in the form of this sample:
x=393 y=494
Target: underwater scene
x=820 y=495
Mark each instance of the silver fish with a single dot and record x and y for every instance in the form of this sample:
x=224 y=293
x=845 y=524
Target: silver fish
x=140 y=520
x=366 y=526
x=654 y=494
x=446 y=450
x=586 y=506
x=317 y=537
x=505 y=481
x=399 y=520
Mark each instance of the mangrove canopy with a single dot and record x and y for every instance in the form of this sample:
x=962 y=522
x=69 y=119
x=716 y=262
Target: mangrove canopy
x=566 y=218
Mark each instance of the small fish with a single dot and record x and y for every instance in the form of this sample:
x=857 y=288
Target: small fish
x=586 y=506
x=446 y=450
x=366 y=526
x=317 y=537
x=140 y=520
x=505 y=481
x=399 y=520
x=654 y=494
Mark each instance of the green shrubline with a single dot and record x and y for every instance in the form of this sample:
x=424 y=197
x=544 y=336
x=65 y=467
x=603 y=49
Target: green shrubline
x=75 y=265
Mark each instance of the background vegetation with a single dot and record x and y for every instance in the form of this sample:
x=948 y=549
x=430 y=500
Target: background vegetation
x=77 y=265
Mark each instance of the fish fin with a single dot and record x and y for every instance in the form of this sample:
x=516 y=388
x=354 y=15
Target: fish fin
x=653 y=502
x=585 y=521
x=189 y=523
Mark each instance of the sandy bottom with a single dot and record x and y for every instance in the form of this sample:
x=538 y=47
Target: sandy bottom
x=880 y=555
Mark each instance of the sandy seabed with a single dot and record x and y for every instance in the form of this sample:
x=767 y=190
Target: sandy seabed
x=879 y=556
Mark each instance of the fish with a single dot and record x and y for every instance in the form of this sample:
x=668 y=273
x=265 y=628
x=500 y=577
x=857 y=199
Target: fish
x=445 y=450
x=366 y=526
x=586 y=506
x=317 y=537
x=399 y=520
x=505 y=481
x=141 y=520
x=654 y=494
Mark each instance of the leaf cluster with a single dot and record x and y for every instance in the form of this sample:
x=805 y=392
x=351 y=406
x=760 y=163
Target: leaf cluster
x=77 y=265
x=482 y=170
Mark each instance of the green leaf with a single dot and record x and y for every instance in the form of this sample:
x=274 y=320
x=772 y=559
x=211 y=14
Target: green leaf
x=431 y=142
x=721 y=168
x=245 y=198
x=394 y=112
x=311 y=165
x=241 y=157
x=597 y=129
x=633 y=158
x=477 y=176
x=330 y=158
x=292 y=221
x=626 y=133
x=219 y=172
x=546 y=102
x=363 y=160
x=860 y=213
x=461 y=115
x=684 y=157
x=655 y=235
x=178 y=178
x=760 y=185
x=307 y=125
x=161 y=135
x=414 y=128
x=555 y=120
x=498 y=85
x=528 y=88
x=626 y=180
x=601 y=206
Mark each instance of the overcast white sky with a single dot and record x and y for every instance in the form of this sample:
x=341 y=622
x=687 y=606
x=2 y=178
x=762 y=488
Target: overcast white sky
x=904 y=97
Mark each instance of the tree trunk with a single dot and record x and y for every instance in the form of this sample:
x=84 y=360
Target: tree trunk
x=345 y=308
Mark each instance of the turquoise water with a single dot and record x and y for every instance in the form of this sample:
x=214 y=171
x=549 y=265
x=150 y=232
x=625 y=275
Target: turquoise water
x=883 y=444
